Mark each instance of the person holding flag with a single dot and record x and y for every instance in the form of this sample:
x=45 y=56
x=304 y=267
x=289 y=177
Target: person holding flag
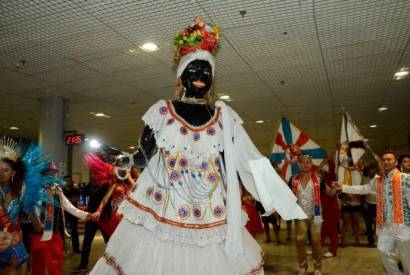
x=290 y=145
x=306 y=187
x=393 y=212
x=392 y=191
x=350 y=151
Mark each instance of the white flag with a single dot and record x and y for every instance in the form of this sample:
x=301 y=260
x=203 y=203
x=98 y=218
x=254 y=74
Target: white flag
x=351 y=149
x=351 y=137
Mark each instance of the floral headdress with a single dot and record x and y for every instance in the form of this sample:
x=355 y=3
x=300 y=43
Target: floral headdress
x=198 y=41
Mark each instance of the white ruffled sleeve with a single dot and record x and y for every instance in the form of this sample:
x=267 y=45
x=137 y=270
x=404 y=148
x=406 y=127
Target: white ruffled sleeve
x=154 y=116
x=260 y=179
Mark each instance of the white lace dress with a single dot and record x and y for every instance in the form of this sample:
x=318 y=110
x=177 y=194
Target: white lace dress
x=177 y=219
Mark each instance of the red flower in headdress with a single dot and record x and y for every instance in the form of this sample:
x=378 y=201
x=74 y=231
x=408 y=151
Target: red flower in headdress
x=197 y=36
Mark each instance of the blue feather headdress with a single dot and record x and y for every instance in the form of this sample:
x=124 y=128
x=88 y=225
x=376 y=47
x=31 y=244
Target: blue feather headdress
x=35 y=182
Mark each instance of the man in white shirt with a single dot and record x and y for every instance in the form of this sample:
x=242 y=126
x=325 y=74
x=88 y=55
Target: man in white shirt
x=393 y=213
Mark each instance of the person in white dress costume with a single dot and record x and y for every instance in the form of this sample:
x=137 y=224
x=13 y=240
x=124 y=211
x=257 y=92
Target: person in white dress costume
x=184 y=215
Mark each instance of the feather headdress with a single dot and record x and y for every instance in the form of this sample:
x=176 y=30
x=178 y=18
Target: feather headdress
x=9 y=149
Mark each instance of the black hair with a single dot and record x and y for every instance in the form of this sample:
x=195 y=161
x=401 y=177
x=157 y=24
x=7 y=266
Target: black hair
x=390 y=151
x=16 y=184
x=402 y=157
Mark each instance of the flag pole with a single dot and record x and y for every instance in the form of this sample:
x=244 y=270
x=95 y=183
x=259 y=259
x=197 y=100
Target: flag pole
x=337 y=161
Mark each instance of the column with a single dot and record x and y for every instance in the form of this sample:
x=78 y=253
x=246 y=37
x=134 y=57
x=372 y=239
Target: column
x=53 y=117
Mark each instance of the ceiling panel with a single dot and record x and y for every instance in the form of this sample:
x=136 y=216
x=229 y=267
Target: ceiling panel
x=303 y=59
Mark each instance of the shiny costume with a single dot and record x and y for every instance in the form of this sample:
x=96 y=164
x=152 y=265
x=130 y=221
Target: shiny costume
x=9 y=221
x=309 y=201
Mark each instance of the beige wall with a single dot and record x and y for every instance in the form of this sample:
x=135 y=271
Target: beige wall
x=80 y=170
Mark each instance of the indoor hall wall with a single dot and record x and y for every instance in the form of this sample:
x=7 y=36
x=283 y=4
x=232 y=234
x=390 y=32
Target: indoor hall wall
x=80 y=171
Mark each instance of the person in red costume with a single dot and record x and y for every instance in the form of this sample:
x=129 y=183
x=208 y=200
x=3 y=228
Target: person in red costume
x=104 y=175
x=117 y=192
x=254 y=224
x=106 y=194
x=330 y=210
x=47 y=238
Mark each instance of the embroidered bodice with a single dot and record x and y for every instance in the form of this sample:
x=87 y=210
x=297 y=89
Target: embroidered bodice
x=183 y=185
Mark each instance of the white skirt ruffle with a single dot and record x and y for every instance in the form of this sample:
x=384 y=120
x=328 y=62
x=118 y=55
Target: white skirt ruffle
x=134 y=250
x=170 y=233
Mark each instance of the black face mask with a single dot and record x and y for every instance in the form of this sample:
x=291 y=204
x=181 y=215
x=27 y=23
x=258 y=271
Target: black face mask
x=197 y=70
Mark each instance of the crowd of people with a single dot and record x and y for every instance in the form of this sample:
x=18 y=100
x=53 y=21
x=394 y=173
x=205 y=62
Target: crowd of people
x=318 y=189
x=37 y=207
x=183 y=215
x=331 y=217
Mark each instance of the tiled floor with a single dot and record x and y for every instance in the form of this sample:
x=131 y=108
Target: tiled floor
x=281 y=259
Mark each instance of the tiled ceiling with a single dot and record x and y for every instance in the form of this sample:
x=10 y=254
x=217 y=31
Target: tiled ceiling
x=303 y=59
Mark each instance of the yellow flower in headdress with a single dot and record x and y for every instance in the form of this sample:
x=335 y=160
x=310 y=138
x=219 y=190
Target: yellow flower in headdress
x=216 y=29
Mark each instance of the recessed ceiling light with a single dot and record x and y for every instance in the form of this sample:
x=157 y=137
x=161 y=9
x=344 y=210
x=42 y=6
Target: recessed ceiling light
x=13 y=128
x=149 y=47
x=259 y=121
x=225 y=97
x=131 y=147
x=100 y=115
x=373 y=126
x=401 y=74
x=382 y=108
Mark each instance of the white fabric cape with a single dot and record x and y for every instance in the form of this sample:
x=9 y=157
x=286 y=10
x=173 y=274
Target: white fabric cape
x=258 y=177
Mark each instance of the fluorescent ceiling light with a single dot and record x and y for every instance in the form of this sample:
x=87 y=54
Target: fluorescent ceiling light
x=382 y=108
x=149 y=47
x=401 y=74
x=373 y=126
x=131 y=147
x=13 y=128
x=259 y=121
x=225 y=97
x=100 y=115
